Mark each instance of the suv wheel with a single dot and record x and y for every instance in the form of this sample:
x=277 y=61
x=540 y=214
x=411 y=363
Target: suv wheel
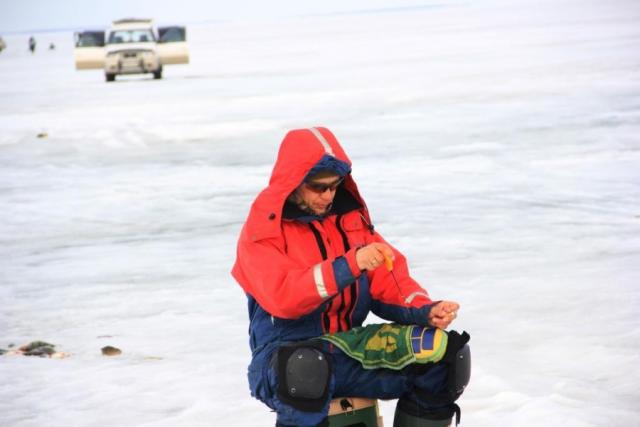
x=157 y=74
x=109 y=77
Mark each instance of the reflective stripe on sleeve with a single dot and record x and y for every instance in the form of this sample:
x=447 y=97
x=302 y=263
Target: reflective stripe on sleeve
x=317 y=277
x=415 y=294
x=323 y=141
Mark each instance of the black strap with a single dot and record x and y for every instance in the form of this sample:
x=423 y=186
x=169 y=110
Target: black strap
x=345 y=240
x=321 y=246
x=456 y=408
x=323 y=251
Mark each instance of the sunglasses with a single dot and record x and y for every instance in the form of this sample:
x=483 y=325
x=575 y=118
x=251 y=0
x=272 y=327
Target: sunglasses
x=320 y=187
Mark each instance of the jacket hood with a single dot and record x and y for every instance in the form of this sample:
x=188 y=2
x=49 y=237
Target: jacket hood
x=300 y=151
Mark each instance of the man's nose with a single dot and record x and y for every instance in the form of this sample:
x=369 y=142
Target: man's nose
x=328 y=194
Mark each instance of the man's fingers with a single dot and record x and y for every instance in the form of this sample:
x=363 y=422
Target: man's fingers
x=454 y=306
x=445 y=318
x=450 y=307
x=443 y=313
x=439 y=323
x=385 y=250
x=439 y=309
x=388 y=253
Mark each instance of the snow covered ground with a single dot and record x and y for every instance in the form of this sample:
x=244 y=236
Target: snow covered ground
x=496 y=143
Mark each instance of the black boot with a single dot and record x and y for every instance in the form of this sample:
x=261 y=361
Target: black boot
x=408 y=414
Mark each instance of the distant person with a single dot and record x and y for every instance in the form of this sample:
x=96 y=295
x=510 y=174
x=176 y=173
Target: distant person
x=52 y=46
x=32 y=44
x=313 y=267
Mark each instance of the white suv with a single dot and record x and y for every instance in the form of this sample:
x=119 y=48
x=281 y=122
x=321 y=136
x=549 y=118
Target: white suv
x=133 y=46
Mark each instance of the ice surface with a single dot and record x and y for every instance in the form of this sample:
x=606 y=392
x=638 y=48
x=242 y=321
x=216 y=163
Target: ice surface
x=495 y=142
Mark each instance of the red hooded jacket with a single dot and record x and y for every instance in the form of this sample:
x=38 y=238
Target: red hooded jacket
x=304 y=268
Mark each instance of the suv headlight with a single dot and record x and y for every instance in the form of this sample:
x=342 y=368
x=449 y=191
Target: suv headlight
x=112 y=58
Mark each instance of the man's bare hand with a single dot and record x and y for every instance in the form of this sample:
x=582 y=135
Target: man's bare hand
x=372 y=256
x=443 y=313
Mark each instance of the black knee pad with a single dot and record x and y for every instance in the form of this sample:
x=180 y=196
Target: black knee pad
x=304 y=374
x=461 y=371
x=458 y=356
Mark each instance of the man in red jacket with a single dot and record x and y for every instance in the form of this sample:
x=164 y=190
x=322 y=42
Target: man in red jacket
x=312 y=265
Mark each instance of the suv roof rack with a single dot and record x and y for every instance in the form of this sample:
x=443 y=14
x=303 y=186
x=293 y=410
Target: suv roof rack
x=132 y=21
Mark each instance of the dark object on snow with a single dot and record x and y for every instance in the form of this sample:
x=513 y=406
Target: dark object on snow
x=32 y=44
x=40 y=351
x=35 y=344
x=52 y=46
x=38 y=348
x=42 y=135
x=111 y=351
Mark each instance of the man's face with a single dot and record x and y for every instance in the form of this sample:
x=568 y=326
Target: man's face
x=318 y=193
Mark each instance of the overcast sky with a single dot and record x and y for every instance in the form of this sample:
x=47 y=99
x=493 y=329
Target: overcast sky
x=29 y=15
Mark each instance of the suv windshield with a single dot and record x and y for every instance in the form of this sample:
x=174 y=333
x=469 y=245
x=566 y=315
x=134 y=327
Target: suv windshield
x=131 y=36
